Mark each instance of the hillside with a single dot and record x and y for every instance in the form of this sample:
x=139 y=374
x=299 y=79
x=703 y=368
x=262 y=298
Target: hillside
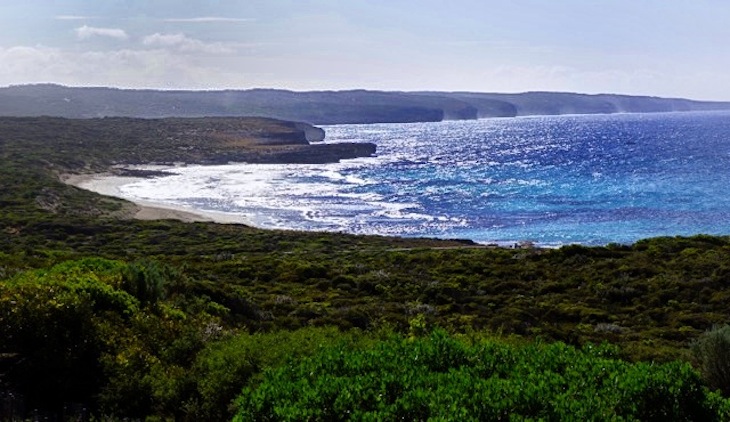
x=118 y=318
x=322 y=107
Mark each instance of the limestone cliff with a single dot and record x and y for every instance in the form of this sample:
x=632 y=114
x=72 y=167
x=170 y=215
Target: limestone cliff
x=323 y=107
x=181 y=140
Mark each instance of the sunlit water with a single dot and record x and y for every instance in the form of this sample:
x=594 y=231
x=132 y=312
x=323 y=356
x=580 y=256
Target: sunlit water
x=550 y=180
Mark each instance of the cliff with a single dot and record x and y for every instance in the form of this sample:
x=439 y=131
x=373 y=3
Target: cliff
x=74 y=144
x=323 y=107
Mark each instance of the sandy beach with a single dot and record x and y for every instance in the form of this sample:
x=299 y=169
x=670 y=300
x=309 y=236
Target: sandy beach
x=109 y=184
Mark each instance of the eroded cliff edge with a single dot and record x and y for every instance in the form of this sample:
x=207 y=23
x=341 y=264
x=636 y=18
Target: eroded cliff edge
x=98 y=144
x=324 y=107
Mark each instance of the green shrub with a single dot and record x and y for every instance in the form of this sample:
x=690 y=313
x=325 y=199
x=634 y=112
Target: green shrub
x=144 y=280
x=82 y=332
x=443 y=378
x=712 y=351
x=49 y=319
x=224 y=367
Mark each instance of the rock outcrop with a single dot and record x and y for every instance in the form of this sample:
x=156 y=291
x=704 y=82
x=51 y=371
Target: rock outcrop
x=310 y=154
x=208 y=140
x=312 y=133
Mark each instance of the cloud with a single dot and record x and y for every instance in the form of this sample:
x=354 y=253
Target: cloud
x=183 y=43
x=208 y=19
x=85 y=32
x=125 y=68
x=73 y=17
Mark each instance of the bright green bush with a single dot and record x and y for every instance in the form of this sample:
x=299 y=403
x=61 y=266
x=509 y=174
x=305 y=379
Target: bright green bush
x=224 y=367
x=443 y=378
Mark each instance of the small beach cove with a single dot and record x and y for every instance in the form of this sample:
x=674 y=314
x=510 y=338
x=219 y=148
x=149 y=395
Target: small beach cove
x=548 y=181
x=108 y=184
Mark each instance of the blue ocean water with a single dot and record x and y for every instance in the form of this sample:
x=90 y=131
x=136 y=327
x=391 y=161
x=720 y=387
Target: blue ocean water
x=551 y=180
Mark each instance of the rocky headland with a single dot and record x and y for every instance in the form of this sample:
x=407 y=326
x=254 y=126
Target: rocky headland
x=76 y=143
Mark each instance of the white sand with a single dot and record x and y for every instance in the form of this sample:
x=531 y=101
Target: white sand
x=108 y=184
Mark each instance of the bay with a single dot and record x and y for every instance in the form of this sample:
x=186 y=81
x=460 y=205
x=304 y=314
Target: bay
x=553 y=180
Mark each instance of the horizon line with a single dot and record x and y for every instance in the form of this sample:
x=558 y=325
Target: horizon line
x=296 y=91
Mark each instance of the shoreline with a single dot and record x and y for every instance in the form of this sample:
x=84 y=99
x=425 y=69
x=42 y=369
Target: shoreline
x=109 y=184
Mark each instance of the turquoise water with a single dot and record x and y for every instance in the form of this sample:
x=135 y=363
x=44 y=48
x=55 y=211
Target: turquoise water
x=550 y=180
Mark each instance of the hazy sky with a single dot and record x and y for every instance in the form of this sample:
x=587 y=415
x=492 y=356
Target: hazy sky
x=671 y=48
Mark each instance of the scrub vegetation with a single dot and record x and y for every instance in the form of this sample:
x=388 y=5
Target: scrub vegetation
x=104 y=316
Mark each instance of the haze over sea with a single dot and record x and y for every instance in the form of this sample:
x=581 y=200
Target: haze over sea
x=555 y=180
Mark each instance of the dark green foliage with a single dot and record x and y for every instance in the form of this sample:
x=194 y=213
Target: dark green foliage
x=442 y=378
x=145 y=281
x=48 y=320
x=75 y=332
x=712 y=351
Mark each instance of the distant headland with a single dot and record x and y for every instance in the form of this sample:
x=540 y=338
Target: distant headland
x=323 y=107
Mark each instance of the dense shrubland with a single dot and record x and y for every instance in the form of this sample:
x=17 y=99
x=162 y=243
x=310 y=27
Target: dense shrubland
x=441 y=377
x=172 y=320
x=131 y=340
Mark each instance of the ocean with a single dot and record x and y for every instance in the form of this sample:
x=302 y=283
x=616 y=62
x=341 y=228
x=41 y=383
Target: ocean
x=556 y=180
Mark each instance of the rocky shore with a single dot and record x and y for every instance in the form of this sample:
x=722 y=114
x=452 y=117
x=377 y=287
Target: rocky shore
x=298 y=154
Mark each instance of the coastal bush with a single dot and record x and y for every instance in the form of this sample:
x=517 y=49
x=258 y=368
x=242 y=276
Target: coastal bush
x=712 y=352
x=75 y=334
x=442 y=377
x=225 y=367
x=144 y=280
x=49 y=320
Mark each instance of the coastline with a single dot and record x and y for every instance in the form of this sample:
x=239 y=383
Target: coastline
x=108 y=184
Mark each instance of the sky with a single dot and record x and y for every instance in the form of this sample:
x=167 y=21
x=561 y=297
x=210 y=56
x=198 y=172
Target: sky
x=667 y=48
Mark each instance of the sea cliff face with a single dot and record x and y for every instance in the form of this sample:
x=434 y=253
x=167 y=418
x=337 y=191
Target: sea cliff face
x=324 y=107
x=295 y=148
x=179 y=140
x=312 y=133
